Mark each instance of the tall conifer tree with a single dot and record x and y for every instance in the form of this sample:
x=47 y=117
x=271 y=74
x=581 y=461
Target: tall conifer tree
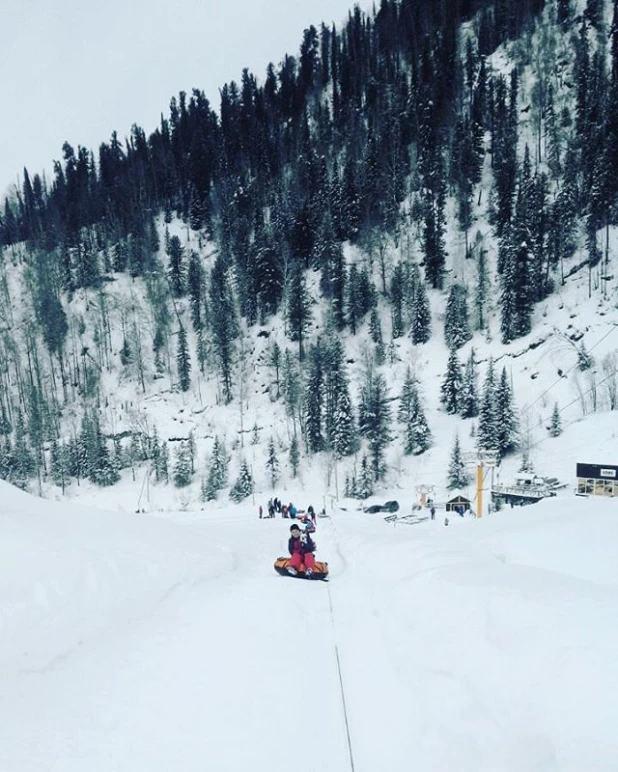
x=451 y=389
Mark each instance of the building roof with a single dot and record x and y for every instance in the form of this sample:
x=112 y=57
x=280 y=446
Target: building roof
x=458 y=496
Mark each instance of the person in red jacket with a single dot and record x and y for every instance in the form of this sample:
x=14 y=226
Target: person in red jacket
x=301 y=547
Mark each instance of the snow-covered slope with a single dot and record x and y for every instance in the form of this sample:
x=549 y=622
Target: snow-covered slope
x=130 y=642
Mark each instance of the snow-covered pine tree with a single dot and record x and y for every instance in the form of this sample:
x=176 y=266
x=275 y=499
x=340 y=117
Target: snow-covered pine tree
x=161 y=463
x=118 y=456
x=417 y=436
x=481 y=294
x=192 y=448
x=195 y=290
x=274 y=360
x=349 y=489
x=555 y=427
x=158 y=343
x=99 y=466
x=339 y=424
x=524 y=295
x=126 y=355
x=105 y=472
x=375 y=330
x=182 y=466
x=364 y=486
x=420 y=434
x=506 y=424
x=314 y=399
x=344 y=440
x=469 y=389
x=456 y=324
x=23 y=463
x=375 y=418
x=134 y=453
x=294 y=456
x=487 y=428
x=517 y=299
x=58 y=464
x=183 y=360
x=450 y=391
x=268 y=270
x=243 y=486
x=78 y=455
x=272 y=463
x=255 y=434
x=562 y=225
x=421 y=311
x=584 y=360
x=5 y=424
x=404 y=413
x=334 y=377
x=351 y=300
x=217 y=472
x=224 y=324
x=457 y=474
x=433 y=244
x=7 y=459
x=176 y=268
x=508 y=293
x=396 y=294
x=290 y=385
x=298 y=311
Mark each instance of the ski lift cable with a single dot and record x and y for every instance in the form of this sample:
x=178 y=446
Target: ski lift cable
x=573 y=366
x=572 y=402
x=592 y=388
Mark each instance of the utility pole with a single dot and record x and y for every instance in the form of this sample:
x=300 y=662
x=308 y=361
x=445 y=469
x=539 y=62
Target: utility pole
x=480 y=478
x=482 y=460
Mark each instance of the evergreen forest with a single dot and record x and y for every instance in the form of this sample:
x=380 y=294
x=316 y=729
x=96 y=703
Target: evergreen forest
x=434 y=171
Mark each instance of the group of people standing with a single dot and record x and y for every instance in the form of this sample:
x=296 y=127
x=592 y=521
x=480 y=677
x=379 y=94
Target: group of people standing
x=275 y=507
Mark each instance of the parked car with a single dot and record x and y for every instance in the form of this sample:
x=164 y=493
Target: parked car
x=373 y=509
x=390 y=506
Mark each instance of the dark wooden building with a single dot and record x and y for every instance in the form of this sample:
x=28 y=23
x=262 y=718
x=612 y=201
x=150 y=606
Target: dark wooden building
x=459 y=504
x=597 y=479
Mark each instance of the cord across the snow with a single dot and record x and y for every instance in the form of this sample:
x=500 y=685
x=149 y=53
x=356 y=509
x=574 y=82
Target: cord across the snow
x=345 y=710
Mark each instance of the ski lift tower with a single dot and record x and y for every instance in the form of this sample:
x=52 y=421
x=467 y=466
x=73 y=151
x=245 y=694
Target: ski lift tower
x=422 y=491
x=481 y=460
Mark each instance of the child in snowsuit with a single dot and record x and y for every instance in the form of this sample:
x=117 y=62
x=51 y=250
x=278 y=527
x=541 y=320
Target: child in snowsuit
x=301 y=547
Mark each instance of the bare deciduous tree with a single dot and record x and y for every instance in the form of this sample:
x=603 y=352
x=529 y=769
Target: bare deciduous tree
x=610 y=381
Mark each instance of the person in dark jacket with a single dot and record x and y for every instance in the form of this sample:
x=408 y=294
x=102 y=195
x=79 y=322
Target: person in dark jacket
x=301 y=547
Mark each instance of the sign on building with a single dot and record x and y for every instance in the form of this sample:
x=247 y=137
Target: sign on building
x=597 y=479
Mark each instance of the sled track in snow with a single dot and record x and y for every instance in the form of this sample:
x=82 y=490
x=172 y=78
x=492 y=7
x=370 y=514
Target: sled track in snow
x=341 y=687
x=336 y=647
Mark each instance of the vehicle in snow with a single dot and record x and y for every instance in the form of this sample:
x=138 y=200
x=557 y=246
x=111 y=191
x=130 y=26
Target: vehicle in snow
x=390 y=506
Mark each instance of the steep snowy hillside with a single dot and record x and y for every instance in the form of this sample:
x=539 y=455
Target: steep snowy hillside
x=136 y=377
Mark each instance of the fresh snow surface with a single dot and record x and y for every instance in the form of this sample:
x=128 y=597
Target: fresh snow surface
x=141 y=643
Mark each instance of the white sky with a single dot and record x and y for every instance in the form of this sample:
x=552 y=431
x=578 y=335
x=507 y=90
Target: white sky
x=76 y=70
